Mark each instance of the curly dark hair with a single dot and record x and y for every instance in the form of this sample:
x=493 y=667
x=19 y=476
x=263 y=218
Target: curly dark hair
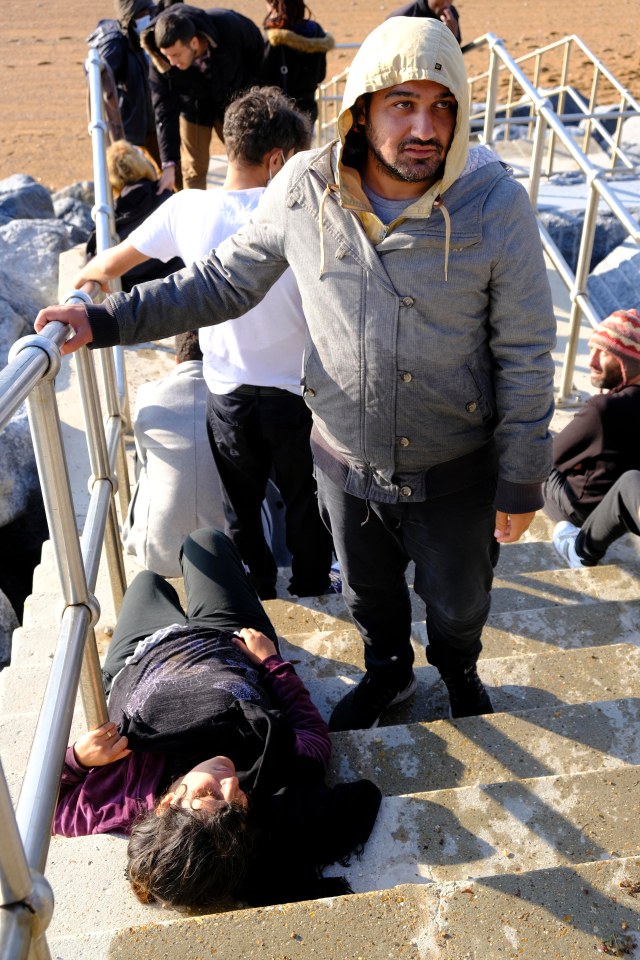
x=190 y=859
x=261 y=120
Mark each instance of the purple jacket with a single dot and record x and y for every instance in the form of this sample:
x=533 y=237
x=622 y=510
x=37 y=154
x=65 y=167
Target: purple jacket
x=109 y=799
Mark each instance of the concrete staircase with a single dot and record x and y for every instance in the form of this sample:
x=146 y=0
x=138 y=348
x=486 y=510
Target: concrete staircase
x=511 y=835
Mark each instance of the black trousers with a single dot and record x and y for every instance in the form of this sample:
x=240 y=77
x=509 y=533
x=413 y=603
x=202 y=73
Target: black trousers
x=256 y=433
x=451 y=541
x=218 y=592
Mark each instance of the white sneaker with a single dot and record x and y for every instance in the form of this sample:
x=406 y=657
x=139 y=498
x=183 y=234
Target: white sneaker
x=564 y=541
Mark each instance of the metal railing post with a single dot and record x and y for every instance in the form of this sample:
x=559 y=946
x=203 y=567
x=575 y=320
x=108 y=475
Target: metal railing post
x=492 y=93
x=44 y=419
x=582 y=272
x=27 y=899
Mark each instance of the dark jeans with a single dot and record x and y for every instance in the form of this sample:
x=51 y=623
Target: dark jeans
x=617 y=513
x=451 y=541
x=218 y=592
x=252 y=436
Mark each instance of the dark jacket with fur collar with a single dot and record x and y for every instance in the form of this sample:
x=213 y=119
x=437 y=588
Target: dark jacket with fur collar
x=296 y=60
x=236 y=50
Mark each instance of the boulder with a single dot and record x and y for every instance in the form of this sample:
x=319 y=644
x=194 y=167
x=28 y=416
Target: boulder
x=22 y=198
x=8 y=623
x=615 y=282
x=565 y=228
x=29 y=249
x=73 y=206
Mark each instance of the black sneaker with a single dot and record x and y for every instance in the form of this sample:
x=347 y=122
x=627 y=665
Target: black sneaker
x=363 y=706
x=467 y=694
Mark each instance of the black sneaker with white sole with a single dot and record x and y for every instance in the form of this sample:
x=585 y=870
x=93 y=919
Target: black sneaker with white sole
x=362 y=707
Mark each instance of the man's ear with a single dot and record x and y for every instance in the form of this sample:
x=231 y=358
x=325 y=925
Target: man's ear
x=271 y=155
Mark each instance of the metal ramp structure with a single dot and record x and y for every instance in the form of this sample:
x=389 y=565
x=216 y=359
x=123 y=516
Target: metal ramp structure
x=513 y=835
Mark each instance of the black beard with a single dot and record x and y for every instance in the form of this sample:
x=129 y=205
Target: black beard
x=431 y=168
x=606 y=381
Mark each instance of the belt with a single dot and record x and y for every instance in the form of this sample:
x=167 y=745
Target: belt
x=249 y=391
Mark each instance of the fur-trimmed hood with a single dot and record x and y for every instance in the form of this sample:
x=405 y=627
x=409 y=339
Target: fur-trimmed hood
x=279 y=37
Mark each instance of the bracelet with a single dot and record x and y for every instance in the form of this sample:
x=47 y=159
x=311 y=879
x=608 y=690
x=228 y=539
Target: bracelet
x=168 y=163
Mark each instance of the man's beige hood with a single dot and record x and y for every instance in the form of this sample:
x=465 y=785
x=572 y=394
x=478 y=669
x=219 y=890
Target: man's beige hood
x=411 y=48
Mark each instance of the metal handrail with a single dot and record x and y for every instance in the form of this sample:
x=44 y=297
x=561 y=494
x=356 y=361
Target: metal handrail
x=34 y=361
x=547 y=129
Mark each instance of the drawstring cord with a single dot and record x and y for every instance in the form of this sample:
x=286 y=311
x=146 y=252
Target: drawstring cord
x=439 y=204
x=327 y=191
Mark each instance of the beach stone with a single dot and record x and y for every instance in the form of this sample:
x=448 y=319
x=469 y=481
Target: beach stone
x=30 y=249
x=615 y=282
x=8 y=623
x=77 y=216
x=565 y=229
x=22 y=198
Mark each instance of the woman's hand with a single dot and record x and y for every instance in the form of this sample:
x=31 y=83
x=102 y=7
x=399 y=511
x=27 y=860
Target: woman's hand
x=255 y=645
x=101 y=746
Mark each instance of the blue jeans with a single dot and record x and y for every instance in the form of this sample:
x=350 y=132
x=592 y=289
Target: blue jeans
x=451 y=541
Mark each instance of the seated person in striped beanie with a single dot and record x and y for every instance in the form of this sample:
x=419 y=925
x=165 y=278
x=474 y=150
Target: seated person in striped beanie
x=594 y=487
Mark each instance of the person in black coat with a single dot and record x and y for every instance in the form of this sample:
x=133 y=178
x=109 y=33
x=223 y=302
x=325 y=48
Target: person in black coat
x=200 y=59
x=442 y=10
x=296 y=53
x=118 y=43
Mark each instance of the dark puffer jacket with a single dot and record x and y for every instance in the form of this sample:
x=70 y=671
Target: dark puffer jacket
x=201 y=96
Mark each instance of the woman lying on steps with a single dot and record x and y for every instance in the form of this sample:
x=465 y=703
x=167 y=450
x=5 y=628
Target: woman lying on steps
x=214 y=757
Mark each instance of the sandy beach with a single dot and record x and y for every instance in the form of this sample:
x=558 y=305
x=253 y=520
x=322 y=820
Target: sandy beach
x=43 y=118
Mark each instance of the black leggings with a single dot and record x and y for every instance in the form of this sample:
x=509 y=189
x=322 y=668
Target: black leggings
x=218 y=592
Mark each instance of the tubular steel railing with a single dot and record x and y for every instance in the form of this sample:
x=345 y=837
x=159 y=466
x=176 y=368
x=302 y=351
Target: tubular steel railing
x=547 y=128
x=27 y=902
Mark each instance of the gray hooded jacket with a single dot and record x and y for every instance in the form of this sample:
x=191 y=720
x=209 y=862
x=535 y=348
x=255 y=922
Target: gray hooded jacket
x=428 y=356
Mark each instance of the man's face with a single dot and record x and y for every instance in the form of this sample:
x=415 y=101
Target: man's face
x=181 y=55
x=606 y=371
x=409 y=129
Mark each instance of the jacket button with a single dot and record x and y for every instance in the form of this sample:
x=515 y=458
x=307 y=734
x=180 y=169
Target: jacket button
x=405 y=491
x=472 y=406
x=407 y=301
x=406 y=377
x=403 y=441
x=309 y=392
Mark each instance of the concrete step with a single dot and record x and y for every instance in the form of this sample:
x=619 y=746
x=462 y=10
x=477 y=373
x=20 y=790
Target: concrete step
x=561 y=913
x=514 y=683
x=499 y=828
x=460 y=753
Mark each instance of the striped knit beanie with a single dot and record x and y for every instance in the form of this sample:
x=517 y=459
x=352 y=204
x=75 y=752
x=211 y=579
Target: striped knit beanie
x=619 y=334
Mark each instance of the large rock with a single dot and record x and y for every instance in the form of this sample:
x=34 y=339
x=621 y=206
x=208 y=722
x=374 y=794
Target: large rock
x=22 y=198
x=565 y=228
x=8 y=623
x=73 y=206
x=29 y=249
x=615 y=282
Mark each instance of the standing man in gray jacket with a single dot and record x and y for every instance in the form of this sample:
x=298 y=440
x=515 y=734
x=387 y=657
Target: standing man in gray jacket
x=427 y=366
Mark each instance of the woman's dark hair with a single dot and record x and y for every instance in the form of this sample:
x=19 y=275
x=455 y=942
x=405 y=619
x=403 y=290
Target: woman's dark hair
x=286 y=13
x=261 y=120
x=189 y=858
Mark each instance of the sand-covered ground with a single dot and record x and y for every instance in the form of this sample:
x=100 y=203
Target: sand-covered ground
x=43 y=120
